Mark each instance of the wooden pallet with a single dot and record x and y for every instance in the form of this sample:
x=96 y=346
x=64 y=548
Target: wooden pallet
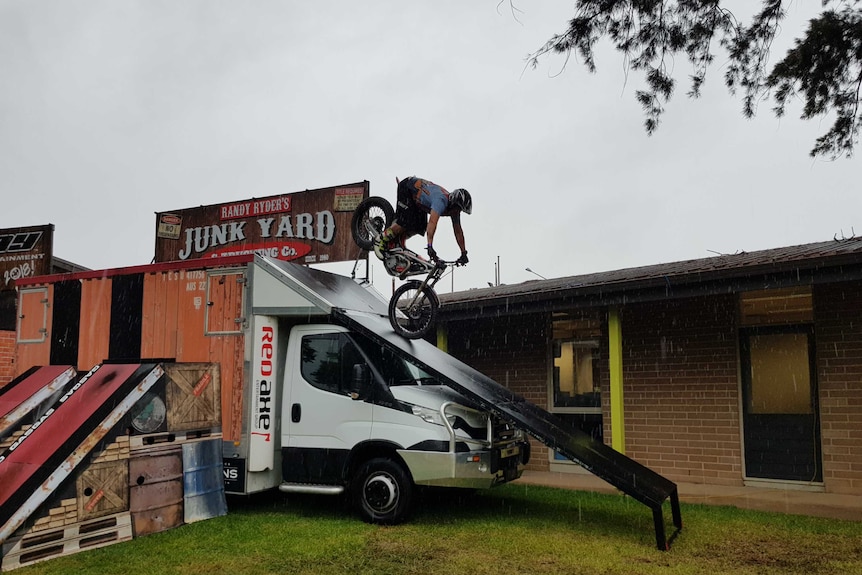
x=154 y=440
x=30 y=548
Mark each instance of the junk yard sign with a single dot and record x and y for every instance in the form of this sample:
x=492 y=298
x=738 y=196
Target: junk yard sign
x=309 y=227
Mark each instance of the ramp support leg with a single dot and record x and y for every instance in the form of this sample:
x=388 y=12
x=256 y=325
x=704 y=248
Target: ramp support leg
x=661 y=540
x=674 y=506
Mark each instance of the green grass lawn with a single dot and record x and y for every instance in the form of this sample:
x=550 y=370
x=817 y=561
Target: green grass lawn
x=515 y=529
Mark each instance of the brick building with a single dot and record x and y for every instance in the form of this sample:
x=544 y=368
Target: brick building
x=7 y=356
x=731 y=370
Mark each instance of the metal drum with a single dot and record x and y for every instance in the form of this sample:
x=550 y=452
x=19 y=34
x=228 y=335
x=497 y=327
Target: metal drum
x=156 y=490
x=203 y=480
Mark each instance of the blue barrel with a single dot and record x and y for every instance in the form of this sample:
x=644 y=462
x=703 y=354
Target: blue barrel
x=203 y=480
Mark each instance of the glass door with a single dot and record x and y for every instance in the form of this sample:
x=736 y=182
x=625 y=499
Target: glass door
x=780 y=412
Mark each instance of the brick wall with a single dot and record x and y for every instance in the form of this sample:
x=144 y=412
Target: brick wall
x=838 y=337
x=7 y=357
x=681 y=383
x=513 y=351
x=681 y=389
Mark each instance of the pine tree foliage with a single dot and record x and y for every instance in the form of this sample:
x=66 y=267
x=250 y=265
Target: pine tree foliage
x=823 y=70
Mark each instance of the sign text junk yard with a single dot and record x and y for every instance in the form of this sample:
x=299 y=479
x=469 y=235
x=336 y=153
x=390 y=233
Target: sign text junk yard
x=311 y=226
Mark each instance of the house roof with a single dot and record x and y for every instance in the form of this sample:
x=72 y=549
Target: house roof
x=807 y=264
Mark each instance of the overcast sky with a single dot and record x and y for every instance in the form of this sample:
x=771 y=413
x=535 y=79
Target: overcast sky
x=113 y=110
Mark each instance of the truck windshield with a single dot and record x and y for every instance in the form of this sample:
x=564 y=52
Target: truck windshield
x=395 y=371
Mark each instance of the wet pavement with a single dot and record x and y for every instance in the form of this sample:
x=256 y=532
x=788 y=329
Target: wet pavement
x=793 y=501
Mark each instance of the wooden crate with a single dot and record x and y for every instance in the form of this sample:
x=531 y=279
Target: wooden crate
x=193 y=394
x=103 y=489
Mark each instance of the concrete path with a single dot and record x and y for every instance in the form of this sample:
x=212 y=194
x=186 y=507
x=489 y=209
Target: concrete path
x=791 y=501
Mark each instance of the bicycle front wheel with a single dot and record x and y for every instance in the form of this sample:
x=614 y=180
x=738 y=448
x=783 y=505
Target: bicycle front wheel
x=371 y=217
x=413 y=310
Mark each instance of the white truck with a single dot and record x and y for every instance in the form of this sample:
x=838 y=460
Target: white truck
x=328 y=410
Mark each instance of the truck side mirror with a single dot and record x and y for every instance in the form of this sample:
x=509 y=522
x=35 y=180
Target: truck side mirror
x=360 y=380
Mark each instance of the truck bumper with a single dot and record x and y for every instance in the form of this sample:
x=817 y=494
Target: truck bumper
x=468 y=469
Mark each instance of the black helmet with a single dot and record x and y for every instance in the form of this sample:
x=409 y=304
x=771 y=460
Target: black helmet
x=461 y=199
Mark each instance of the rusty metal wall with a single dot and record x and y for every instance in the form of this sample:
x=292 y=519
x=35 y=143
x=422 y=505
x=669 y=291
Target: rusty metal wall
x=176 y=305
x=190 y=315
x=95 y=326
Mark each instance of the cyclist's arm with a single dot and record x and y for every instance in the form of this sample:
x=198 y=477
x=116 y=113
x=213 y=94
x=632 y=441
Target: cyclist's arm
x=432 y=226
x=459 y=232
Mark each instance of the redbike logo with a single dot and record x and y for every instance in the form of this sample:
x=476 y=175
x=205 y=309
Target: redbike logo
x=20 y=242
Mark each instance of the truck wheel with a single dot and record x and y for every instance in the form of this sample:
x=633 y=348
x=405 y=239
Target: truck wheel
x=382 y=492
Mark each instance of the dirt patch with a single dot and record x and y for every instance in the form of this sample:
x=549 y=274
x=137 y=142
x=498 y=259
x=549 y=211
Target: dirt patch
x=786 y=555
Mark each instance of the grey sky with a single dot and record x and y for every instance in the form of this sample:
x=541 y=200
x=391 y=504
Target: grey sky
x=113 y=110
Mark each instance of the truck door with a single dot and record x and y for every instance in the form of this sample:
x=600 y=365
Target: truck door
x=321 y=422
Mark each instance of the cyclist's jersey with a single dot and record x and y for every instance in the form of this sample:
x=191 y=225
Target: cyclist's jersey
x=428 y=195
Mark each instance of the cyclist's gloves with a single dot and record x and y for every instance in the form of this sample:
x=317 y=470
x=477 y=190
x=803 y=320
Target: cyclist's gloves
x=463 y=259
x=432 y=255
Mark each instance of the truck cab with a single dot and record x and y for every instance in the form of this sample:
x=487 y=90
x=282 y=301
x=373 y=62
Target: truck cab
x=357 y=418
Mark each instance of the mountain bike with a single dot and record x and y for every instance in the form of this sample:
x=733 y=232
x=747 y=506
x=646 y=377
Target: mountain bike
x=413 y=306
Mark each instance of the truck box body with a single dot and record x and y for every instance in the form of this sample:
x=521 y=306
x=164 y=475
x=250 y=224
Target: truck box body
x=185 y=311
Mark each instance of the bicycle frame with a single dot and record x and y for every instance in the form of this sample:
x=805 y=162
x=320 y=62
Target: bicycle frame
x=436 y=272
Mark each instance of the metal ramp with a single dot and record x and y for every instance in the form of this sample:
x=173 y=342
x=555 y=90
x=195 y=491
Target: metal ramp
x=624 y=473
x=39 y=461
x=353 y=306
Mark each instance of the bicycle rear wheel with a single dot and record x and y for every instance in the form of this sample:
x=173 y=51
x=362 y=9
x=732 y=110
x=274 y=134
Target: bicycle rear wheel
x=370 y=218
x=413 y=310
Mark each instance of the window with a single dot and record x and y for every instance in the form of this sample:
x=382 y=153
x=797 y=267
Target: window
x=780 y=372
x=328 y=360
x=776 y=306
x=575 y=386
x=575 y=377
x=575 y=382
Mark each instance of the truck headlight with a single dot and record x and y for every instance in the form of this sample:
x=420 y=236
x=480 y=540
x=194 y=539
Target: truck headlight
x=431 y=415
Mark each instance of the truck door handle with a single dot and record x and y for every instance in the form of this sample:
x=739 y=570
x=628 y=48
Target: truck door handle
x=295 y=413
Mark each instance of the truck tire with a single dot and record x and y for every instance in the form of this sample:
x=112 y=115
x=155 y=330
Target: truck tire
x=371 y=217
x=382 y=492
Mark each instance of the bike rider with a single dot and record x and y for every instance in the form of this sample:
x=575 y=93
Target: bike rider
x=420 y=203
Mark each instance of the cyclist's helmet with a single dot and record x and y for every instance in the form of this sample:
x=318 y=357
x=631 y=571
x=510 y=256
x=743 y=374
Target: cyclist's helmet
x=461 y=199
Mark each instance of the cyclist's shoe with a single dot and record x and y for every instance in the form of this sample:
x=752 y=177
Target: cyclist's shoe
x=385 y=246
x=380 y=247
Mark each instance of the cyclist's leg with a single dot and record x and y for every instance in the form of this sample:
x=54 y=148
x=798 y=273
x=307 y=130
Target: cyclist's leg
x=409 y=220
x=405 y=206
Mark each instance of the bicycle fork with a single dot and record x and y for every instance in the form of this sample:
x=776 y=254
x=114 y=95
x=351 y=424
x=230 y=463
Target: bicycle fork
x=430 y=281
